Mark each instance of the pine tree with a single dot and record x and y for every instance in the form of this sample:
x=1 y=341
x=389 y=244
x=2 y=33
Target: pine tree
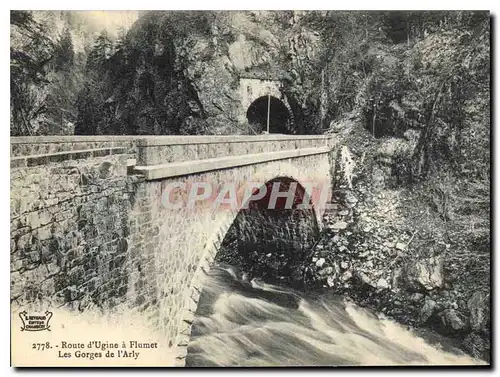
x=100 y=53
x=65 y=54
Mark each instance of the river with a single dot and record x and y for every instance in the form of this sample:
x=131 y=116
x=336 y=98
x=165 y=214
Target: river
x=242 y=322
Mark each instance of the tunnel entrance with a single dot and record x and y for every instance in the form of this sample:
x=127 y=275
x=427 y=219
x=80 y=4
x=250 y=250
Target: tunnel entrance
x=272 y=243
x=279 y=115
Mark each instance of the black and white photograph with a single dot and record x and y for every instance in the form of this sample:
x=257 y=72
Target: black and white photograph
x=250 y=188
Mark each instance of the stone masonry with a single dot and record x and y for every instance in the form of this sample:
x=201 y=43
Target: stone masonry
x=89 y=231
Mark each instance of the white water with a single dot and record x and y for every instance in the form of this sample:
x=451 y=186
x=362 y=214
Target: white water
x=242 y=323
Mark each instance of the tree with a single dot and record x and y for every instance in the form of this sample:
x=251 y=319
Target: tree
x=64 y=56
x=101 y=52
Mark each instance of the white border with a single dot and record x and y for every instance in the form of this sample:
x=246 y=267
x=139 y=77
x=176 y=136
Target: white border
x=184 y=5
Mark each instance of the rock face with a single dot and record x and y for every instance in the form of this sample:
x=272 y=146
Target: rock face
x=189 y=73
x=213 y=50
x=425 y=275
x=477 y=345
x=478 y=306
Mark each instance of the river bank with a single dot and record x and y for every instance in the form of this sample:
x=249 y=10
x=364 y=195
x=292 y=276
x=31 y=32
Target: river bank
x=388 y=245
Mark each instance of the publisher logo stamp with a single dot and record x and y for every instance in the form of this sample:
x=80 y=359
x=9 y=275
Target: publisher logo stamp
x=35 y=322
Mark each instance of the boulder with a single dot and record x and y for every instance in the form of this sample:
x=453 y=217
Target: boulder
x=427 y=310
x=451 y=322
x=346 y=276
x=365 y=279
x=330 y=280
x=320 y=262
x=416 y=297
x=478 y=305
x=339 y=225
x=425 y=274
x=382 y=284
x=401 y=246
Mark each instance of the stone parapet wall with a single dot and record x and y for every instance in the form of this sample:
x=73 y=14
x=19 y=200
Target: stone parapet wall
x=168 y=149
x=39 y=145
x=153 y=150
x=47 y=158
x=69 y=228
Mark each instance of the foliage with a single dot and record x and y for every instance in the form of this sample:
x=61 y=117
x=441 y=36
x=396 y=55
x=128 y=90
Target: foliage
x=137 y=86
x=64 y=53
x=464 y=205
x=427 y=72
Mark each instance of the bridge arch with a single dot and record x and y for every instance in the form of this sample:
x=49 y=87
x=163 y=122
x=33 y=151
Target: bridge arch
x=287 y=174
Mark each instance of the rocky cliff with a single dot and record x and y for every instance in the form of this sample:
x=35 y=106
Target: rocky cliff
x=178 y=72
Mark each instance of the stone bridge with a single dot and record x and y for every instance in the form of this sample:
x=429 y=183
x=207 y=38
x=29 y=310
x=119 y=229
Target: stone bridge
x=90 y=228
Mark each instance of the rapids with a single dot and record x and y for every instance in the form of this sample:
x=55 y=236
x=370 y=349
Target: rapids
x=242 y=322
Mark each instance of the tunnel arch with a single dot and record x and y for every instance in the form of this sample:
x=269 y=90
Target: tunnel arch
x=280 y=115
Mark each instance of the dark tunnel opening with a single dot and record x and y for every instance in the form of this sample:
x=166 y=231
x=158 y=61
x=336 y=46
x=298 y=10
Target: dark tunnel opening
x=279 y=115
